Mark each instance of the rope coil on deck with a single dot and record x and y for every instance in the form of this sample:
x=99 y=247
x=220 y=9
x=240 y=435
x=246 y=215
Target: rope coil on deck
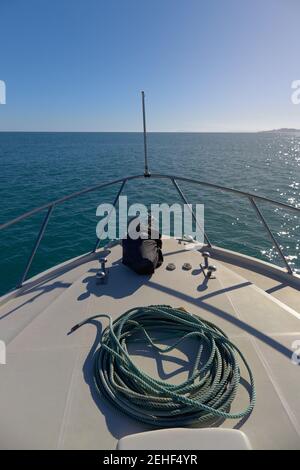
x=206 y=395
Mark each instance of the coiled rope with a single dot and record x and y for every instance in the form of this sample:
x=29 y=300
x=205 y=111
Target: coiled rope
x=206 y=395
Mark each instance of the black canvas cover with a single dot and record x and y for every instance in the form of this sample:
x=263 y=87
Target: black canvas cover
x=143 y=255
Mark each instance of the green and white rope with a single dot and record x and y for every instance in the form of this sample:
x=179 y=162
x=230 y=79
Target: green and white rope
x=206 y=395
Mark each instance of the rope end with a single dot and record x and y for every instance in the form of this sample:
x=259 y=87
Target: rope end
x=74 y=328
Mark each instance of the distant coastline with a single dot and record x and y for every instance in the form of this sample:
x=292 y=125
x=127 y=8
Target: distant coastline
x=281 y=130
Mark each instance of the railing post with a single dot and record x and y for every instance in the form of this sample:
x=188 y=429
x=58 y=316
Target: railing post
x=191 y=210
x=36 y=245
x=279 y=250
x=109 y=215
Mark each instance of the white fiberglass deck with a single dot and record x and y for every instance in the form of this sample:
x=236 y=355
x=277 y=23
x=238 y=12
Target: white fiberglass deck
x=48 y=399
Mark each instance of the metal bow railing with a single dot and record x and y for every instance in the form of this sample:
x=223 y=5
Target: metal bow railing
x=253 y=198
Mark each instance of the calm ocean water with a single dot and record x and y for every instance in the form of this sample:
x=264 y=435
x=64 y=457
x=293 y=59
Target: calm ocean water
x=39 y=167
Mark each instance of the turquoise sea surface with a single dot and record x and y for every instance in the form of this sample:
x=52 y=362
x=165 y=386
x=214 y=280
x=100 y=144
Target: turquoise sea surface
x=36 y=168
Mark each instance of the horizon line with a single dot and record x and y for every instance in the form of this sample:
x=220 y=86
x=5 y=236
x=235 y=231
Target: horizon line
x=152 y=132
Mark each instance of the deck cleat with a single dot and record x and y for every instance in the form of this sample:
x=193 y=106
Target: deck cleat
x=102 y=274
x=206 y=255
x=210 y=272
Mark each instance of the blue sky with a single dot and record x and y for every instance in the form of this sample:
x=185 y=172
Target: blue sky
x=79 y=65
